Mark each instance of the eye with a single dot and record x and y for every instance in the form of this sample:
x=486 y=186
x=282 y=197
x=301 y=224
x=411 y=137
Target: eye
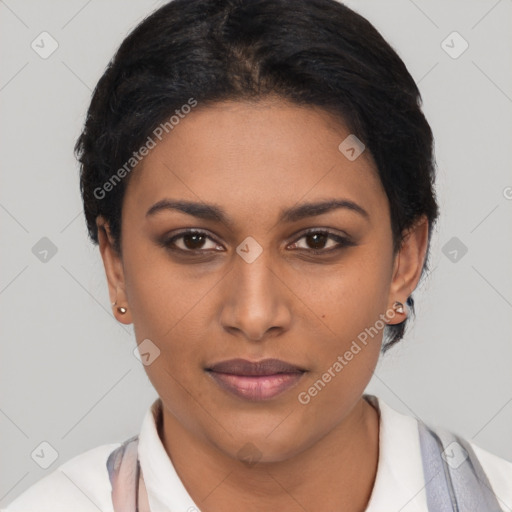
x=190 y=241
x=196 y=242
x=322 y=241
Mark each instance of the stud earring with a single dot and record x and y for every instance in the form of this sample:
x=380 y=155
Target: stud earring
x=398 y=307
x=121 y=309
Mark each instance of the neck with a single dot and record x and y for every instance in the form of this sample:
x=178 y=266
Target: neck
x=336 y=472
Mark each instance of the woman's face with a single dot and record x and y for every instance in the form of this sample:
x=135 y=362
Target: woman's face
x=253 y=284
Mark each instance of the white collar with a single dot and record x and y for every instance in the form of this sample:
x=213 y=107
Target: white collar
x=166 y=491
x=399 y=484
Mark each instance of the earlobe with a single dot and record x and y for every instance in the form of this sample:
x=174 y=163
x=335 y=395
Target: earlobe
x=408 y=267
x=114 y=271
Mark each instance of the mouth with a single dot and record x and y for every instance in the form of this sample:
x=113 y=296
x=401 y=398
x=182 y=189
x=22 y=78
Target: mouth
x=255 y=381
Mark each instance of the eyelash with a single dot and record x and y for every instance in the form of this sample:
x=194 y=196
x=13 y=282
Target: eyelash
x=342 y=242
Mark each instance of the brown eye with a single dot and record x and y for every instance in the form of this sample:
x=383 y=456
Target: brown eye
x=190 y=241
x=320 y=241
x=317 y=240
x=193 y=241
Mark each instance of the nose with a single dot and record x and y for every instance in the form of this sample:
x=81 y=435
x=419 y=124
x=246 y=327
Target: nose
x=257 y=301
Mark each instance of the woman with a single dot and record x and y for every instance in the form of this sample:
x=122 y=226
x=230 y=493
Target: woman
x=259 y=178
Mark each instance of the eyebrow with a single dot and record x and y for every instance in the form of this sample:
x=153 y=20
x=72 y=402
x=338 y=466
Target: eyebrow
x=216 y=213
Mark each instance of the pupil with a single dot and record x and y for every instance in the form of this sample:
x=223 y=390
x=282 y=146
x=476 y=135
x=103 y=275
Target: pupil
x=318 y=240
x=197 y=239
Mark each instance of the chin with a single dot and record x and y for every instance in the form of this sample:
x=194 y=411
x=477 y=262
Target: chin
x=262 y=442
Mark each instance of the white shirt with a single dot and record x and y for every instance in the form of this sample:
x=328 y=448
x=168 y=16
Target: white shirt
x=82 y=484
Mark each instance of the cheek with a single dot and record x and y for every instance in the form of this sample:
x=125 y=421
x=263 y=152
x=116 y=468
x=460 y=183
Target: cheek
x=159 y=293
x=348 y=349
x=350 y=305
x=168 y=307
x=351 y=296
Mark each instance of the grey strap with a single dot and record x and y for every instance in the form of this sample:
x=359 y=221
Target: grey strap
x=455 y=480
x=440 y=497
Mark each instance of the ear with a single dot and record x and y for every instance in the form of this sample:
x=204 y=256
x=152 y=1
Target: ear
x=408 y=265
x=114 y=271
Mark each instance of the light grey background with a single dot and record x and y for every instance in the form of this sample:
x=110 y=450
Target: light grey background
x=68 y=373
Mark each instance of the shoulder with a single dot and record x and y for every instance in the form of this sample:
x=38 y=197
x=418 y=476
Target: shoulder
x=491 y=472
x=81 y=484
x=499 y=473
x=401 y=435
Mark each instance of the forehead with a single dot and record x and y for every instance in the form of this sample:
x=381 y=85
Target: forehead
x=254 y=156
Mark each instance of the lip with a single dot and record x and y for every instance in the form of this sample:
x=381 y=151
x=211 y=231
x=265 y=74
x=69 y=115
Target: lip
x=251 y=368
x=256 y=381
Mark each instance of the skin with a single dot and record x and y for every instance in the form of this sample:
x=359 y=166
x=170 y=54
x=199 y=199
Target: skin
x=253 y=160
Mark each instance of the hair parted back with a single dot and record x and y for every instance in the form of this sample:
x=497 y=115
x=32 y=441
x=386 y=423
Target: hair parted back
x=309 y=52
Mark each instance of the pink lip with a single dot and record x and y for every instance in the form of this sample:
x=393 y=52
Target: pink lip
x=256 y=368
x=256 y=387
x=255 y=380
